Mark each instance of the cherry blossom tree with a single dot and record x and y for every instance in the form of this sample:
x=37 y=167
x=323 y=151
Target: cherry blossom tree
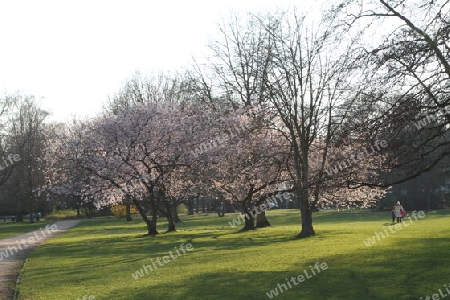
x=65 y=175
x=139 y=154
x=248 y=166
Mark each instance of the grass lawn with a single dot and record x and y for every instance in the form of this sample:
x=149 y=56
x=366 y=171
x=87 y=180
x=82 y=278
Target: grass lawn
x=97 y=259
x=10 y=229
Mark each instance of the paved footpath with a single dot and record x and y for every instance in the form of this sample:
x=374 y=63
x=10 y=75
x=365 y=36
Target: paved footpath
x=14 y=251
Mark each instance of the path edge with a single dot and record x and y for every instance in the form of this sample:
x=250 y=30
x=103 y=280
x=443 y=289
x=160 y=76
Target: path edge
x=16 y=287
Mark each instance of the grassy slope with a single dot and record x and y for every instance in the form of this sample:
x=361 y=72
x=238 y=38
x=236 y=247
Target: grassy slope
x=98 y=257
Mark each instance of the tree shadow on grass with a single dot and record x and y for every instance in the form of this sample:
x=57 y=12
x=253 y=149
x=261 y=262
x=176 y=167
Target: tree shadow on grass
x=410 y=269
x=409 y=272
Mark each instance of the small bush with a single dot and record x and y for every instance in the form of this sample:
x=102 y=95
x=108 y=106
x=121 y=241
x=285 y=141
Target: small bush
x=62 y=214
x=121 y=212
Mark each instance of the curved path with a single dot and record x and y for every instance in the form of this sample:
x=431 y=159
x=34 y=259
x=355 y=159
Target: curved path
x=14 y=251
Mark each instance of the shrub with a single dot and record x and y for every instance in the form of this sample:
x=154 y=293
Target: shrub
x=120 y=210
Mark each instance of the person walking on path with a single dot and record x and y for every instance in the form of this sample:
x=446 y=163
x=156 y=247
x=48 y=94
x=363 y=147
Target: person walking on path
x=398 y=212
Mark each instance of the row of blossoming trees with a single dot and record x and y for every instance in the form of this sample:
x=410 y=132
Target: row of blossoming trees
x=158 y=152
x=282 y=104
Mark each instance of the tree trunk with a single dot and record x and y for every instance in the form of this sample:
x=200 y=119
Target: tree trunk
x=176 y=217
x=249 y=223
x=152 y=229
x=170 y=219
x=203 y=205
x=151 y=224
x=249 y=218
x=307 y=227
x=306 y=215
x=86 y=211
x=261 y=220
x=30 y=192
x=190 y=206
x=19 y=217
x=31 y=209
x=221 y=209
x=303 y=193
x=128 y=211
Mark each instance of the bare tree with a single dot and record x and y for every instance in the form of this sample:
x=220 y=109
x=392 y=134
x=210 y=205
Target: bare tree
x=154 y=88
x=5 y=105
x=300 y=74
x=27 y=138
x=407 y=74
x=309 y=78
x=240 y=61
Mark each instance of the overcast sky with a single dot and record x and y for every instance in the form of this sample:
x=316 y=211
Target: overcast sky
x=73 y=54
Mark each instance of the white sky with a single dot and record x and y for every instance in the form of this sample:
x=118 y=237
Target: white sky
x=73 y=54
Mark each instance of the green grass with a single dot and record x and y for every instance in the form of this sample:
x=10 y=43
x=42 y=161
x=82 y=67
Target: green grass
x=98 y=257
x=10 y=229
